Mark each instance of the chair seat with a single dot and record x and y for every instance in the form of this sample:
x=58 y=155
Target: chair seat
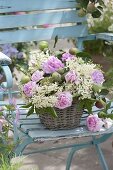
x=32 y=126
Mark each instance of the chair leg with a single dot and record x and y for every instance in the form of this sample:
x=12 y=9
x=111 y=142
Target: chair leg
x=101 y=157
x=73 y=150
x=70 y=157
x=20 y=148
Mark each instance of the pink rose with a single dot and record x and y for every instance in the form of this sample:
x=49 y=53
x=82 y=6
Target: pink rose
x=64 y=100
x=97 y=77
x=37 y=75
x=28 y=88
x=72 y=77
x=52 y=64
x=67 y=56
x=94 y=123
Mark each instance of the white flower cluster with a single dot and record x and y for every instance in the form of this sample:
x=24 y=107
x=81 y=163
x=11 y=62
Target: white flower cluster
x=108 y=2
x=36 y=59
x=42 y=101
x=107 y=12
x=42 y=98
x=83 y=70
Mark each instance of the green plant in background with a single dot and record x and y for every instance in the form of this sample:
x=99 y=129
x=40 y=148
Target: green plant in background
x=99 y=25
x=93 y=7
x=12 y=166
x=104 y=24
x=6 y=128
x=18 y=53
x=100 y=47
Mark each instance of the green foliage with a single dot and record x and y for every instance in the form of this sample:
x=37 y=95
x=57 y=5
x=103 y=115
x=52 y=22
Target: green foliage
x=47 y=110
x=100 y=47
x=87 y=104
x=94 y=7
x=104 y=113
x=6 y=165
x=84 y=55
x=105 y=23
x=6 y=143
x=109 y=78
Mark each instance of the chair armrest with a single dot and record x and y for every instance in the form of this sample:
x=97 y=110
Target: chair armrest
x=105 y=36
x=4 y=62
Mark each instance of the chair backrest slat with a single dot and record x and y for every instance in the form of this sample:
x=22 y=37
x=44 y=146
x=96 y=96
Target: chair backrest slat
x=32 y=5
x=57 y=17
x=24 y=35
x=61 y=16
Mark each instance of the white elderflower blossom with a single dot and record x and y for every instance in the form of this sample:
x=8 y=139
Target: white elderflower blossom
x=74 y=64
x=84 y=89
x=47 y=89
x=86 y=69
x=36 y=59
x=42 y=96
x=41 y=101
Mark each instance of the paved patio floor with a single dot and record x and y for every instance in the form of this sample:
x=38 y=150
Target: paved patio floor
x=85 y=159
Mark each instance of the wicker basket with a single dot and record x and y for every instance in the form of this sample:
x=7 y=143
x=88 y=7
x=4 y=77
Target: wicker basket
x=67 y=118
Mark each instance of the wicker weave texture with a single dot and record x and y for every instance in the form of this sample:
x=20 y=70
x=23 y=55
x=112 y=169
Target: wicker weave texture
x=67 y=118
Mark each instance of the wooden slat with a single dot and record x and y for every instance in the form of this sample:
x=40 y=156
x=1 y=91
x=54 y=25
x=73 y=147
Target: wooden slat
x=26 y=128
x=30 y=5
x=77 y=132
x=12 y=21
x=29 y=121
x=24 y=116
x=45 y=133
x=42 y=34
x=105 y=36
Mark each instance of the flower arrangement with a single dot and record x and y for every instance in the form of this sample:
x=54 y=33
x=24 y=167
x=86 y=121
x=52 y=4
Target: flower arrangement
x=59 y=79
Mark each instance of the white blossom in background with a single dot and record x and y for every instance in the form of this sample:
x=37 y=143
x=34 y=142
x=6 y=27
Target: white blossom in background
x=108 y=7
x=108 y=123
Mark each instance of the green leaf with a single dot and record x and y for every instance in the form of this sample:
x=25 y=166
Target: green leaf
x=27 y=106
x=52 y=111
x=84 y=55
x=31 y=110
x=97 y=88
x=104 y=92
x=48 y=110
x=96 y=14
x=38 y=110
x=108 y=106
x=80 y=105
x=88 y=104
x=83 y=3
x=1 y=113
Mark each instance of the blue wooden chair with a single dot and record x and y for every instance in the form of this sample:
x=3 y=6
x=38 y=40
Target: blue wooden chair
x=14 y=28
